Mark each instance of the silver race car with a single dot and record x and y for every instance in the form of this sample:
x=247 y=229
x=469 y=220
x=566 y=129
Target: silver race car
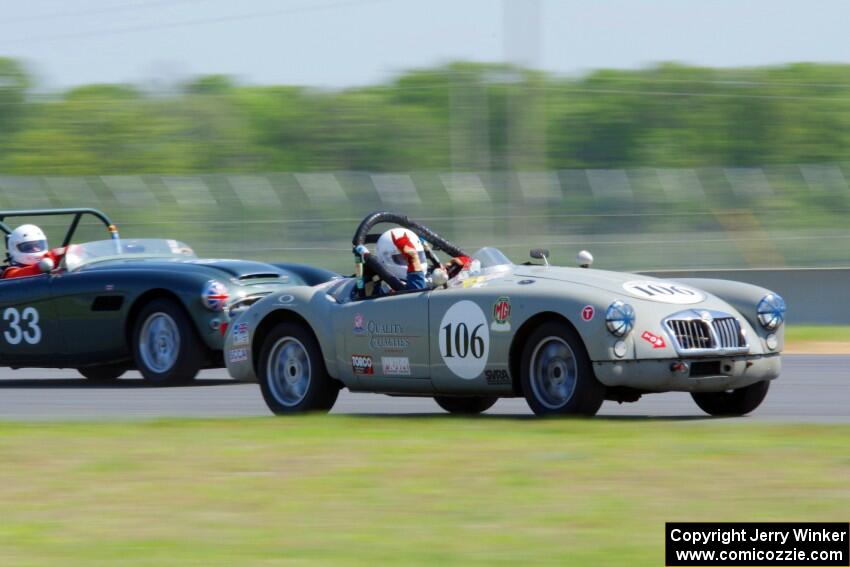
x=564 y=338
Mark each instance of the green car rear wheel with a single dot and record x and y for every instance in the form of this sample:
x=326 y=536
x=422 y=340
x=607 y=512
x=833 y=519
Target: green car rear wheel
x=104 y=373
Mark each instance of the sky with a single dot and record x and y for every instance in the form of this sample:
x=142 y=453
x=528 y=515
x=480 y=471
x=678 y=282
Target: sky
x=341 y=43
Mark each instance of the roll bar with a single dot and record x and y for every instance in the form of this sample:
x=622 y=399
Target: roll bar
x=362 y=237
x=77 y=214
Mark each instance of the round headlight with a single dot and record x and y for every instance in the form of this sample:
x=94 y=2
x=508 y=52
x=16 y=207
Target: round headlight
x=620 y=318
x=771 y=311
x=215 y=295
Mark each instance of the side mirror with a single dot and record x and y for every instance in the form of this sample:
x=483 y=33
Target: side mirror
x=584 y=259
x=540 y=254
x=46 y=265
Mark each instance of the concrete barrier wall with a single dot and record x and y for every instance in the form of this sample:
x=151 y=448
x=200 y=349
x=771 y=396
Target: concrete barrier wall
x=813 y=295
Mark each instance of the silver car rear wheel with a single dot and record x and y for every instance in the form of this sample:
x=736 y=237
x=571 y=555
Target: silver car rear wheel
x=553 y=372
x=288 y=370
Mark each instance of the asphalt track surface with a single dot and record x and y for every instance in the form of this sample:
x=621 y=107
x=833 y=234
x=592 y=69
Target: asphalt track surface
x=812 y=388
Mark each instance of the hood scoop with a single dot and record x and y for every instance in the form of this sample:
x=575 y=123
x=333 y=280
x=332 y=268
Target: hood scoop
x=259 y=276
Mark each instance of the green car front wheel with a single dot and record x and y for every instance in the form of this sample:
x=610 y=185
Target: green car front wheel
x=166 y=348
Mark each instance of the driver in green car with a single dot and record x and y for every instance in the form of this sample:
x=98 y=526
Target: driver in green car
x=28 y=253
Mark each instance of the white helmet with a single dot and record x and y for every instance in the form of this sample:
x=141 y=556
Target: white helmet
x=27 y=245
x=389 y=251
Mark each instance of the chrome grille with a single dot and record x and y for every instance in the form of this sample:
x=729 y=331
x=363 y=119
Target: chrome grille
x=702 y=332
x=728 y=331
x=691 y=333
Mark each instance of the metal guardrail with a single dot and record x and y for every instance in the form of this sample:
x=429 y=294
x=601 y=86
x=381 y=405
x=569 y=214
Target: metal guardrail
x=817 y=296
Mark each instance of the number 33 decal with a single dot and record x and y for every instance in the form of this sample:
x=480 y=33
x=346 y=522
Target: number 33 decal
x=31 y=332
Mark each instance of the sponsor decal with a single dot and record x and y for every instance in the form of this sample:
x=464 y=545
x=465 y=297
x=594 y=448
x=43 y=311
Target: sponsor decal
x=465 y=339
x=501 y=315
x=110 y=287
x=387 y=336
x=497 y=377
x=286 y=298
x=525 y=282
x=359 y=323
x=474 y=281
x=655 y=340
x=362 y=364
x=664 y=292
x=464 y=280
x=395 y=365
x=215 y=295
x=587 y=313
x=237 y=354
x=241 y=335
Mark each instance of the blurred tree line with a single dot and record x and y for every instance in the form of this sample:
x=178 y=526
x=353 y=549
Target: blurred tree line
x=460 y=116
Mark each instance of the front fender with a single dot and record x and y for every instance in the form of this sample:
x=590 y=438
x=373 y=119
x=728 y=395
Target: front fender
x=246 y=334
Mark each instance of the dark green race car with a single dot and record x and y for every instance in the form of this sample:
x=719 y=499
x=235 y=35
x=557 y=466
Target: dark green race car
x=117 y=304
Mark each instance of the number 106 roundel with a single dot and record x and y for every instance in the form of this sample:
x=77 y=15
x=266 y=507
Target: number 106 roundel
x=563 y=338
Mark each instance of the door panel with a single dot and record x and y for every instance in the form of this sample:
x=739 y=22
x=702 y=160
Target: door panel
x=469 y=348
x=386 y=342
x=92 y=310
x=28 y=331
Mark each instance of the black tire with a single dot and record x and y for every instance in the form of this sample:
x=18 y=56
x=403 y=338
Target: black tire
x=732 y=403
x=189 y=357
x=466 y=405
x=299 y=358
x=105 y=373
x=587 y=393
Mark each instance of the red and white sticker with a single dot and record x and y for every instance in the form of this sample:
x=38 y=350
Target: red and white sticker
x=655 y=340
x=362 y=364
x=587 y=313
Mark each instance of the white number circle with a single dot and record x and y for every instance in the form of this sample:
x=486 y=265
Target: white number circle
x=465 y=339
x=664 y=292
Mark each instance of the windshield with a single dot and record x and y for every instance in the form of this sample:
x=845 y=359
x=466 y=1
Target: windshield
x=491 y=258
x=79 y=254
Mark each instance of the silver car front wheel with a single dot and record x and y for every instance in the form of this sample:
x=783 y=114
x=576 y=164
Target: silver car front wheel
x=553 y=372
x=556 y=372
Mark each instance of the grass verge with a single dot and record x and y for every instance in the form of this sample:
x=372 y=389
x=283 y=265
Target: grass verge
x=817 y=339
x=367 y=491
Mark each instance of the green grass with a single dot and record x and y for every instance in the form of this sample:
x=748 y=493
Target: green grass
x=817 y=333
x=399 y=491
